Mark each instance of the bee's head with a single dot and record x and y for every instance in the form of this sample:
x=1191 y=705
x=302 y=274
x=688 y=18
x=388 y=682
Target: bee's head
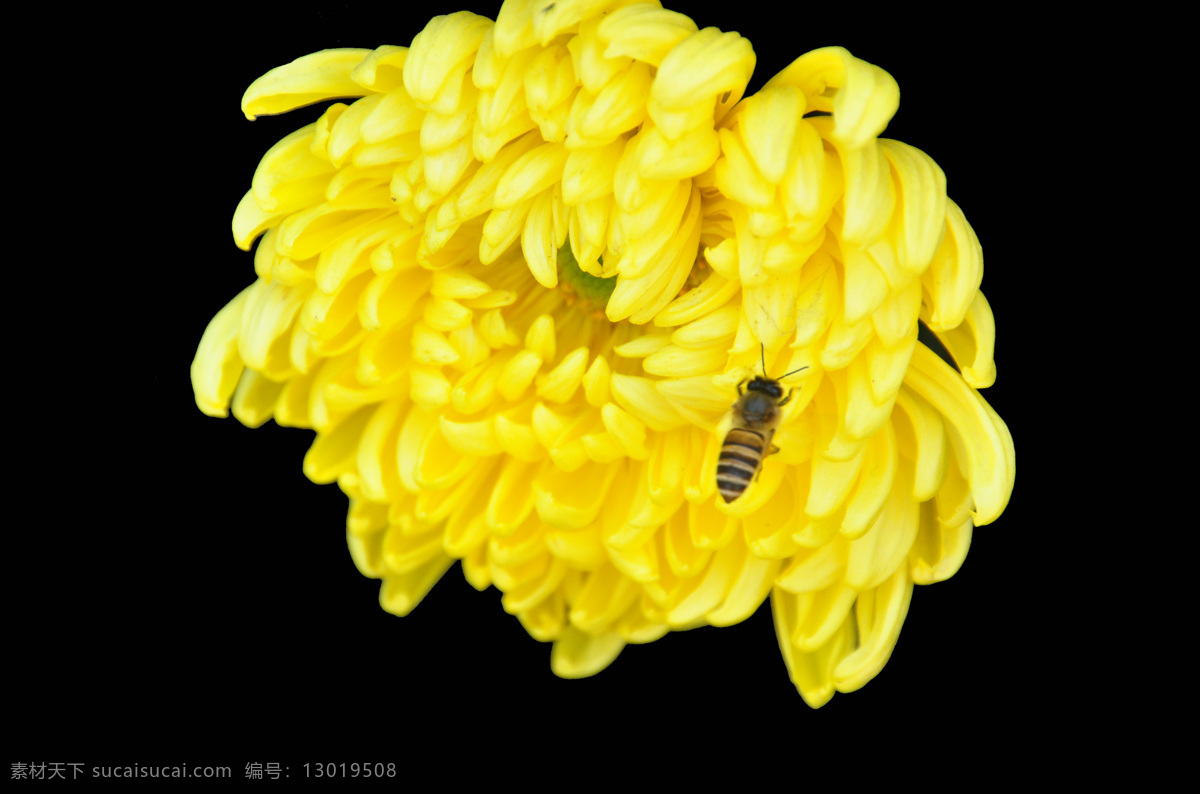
x=766 y=386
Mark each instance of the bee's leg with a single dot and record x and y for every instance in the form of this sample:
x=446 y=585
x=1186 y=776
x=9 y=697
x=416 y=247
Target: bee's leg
x=787 y=399
x=740 y=385
x=771 y=448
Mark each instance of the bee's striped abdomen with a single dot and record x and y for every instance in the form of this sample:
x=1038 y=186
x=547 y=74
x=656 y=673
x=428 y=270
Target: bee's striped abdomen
x=741 y=455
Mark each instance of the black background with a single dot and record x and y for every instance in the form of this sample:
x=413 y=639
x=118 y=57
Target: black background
x=195 y=601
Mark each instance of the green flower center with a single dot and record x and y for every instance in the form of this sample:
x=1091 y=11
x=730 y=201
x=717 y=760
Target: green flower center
x=584 y=286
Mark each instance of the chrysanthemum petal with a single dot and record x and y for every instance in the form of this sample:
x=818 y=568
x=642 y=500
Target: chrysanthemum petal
x=255 y=398
x=817 y=300
x=879 y=615
x=577 y=654
x=708 y=592
x=512 y=501
x=693 y=74
x=737 y=176
x=404 y=552
x=644 y=31
x=845 y=342
x=769 y=530
x=581 y=549
x=475 y=569
x=596 y=382
x=752 y=582
x=638 y=626
x=770 y=309
x=986 y=441
x=540 y=241
x=866 y=288
x=308 y=79
x=518 y=439
x=563 y=507
x=683 y=362
x=560 y=384
x=820 y=614
x=955 y=273
x=292 y=408
x=595 y=69
x=588 y=173
x=250 y=220
x=886 y=366
x=696 y=396
x=466 y=530
x=599 y=119
x=376 y=461
x=514 y=27
x=972 y=344
x=535 y=591
x=529 y=175
x=478 y=439
x=684 y=558
x=344 y=134
x=478 y=196
x=878 y=472
x=666 y=468
x=716 y=326
x=814 y=569
x=545 y=621
x=870 y=195
x=549 y=84
x=335 y=450
x=878 y=553
x=440 y=56
x=290 y=177
x=639 y=397
x=768 y=125
x=921 y=204
x=629 y=431
x=690 y=154
x=865 y=97
x=366 y=552
x=832 y=481
x=921 y=438
x=306 y=234
x=217 y=366
x=351 y=256
x=382 y=70
x=604 y=598
x=813 y=184
x=711 y=295
x=401 y=593
x=811 y=672
x=863 y=416
x=394 y=116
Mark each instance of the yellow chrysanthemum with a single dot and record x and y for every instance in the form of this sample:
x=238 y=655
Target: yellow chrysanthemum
x=513 y=287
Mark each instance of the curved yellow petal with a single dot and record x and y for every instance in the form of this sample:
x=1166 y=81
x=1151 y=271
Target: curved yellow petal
x=577 y=654
x=217 y=366
x=401 y=593
x=864 y=97
x=879 y=615
x=308 y=79
x=986 y=442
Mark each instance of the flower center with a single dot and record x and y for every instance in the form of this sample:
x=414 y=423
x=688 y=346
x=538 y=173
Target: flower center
x=580 y=286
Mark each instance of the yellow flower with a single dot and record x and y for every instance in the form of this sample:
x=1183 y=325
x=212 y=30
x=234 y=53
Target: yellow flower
x=514 y=285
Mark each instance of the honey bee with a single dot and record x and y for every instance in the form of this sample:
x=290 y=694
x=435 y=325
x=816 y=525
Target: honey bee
x=755 y=418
